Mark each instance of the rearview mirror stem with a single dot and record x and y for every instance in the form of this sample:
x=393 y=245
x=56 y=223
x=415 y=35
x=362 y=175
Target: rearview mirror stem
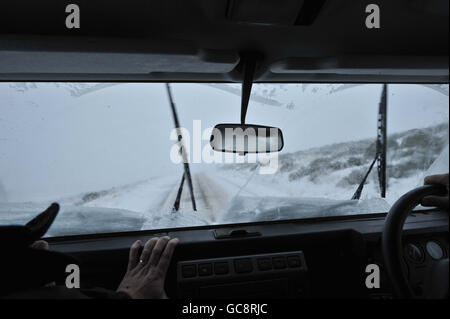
x=249 y=71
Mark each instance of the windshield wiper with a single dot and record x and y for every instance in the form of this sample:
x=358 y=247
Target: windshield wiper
x=187 y=171
x=380 y=155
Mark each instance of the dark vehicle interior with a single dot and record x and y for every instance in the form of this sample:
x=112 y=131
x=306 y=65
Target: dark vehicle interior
x=284 y=41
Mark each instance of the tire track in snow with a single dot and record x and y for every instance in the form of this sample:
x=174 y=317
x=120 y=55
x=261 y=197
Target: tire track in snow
x=214 y=198
x=211 y=197
x=213 y=193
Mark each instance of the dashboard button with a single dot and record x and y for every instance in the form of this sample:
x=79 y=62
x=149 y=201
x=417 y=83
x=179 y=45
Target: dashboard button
x=188 y=271
x=279 y=262
x=221 y=268
x=434 y=250
x=294 y=261
x=264 y=263
x=205 y=269
x=243 y=265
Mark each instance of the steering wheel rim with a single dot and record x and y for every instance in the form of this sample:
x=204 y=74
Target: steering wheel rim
x=391 y=244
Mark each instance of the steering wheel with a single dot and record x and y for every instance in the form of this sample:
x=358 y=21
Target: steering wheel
x=392 y=238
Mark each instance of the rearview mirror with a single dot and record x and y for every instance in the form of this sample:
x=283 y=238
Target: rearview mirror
x=246 y=138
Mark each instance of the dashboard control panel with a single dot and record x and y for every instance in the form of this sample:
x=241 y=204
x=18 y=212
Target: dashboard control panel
x=262 y=275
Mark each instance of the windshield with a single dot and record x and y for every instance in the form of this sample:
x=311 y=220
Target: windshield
x=109 y=155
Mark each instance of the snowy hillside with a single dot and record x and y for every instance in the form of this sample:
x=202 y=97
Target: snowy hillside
x=335 y=171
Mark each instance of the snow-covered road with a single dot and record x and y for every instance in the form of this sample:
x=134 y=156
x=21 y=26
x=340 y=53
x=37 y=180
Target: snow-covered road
x=214 y=190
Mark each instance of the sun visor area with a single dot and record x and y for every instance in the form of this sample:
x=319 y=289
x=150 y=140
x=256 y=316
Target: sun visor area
x=119 y=57
x=369 y=65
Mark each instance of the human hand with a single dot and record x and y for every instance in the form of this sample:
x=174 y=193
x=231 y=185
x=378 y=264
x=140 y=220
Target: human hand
x=146 y=273
x=436 y=201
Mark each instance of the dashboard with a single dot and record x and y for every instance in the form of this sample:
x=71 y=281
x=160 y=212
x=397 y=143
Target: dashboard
x=317 y=258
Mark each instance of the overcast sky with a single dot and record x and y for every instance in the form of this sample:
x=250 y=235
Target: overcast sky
x=54 y=144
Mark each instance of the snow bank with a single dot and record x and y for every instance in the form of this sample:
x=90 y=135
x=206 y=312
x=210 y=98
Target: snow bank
x=74 y=220
x=248 y=209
